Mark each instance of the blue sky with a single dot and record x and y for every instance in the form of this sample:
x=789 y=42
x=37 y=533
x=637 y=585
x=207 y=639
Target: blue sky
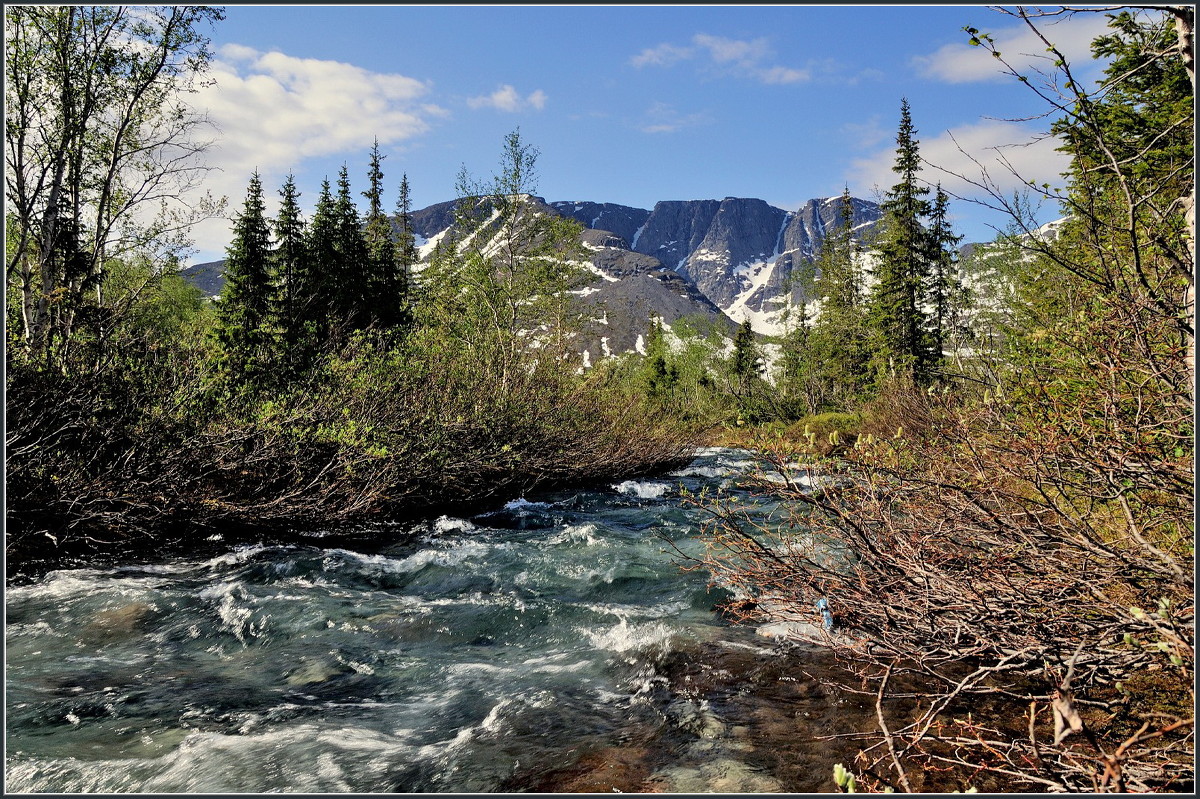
x=626 y=104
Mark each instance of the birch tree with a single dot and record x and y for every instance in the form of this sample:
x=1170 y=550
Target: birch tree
x=100 y=144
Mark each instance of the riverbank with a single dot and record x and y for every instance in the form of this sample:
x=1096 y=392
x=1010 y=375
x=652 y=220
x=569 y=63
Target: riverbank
x=123 y=464
x=206 y=528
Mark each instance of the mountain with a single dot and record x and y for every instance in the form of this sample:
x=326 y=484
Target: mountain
x=622 y=220
x=209 y=277
x=746 y=252
x=741 y=253
x=719 y=262
x=631 y=288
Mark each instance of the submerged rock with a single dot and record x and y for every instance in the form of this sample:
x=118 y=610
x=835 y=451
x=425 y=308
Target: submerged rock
x=723 y=775
x=120 y=622
x=314 y=672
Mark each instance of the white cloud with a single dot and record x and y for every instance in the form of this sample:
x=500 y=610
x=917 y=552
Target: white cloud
x=781 y=75
x=866 y=135
x=662 y=56
x=745 y=58
x=1019 y=46
x=741 y=52
x=274 y=111
x=507 y=98
x=1006 y=153
x=662 y=118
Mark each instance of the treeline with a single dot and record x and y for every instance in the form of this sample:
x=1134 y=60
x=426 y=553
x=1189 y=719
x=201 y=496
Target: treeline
x=294 y=288
x=1012 y=538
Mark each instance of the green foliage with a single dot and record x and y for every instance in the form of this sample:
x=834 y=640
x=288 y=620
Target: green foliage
x=1148 y=96
x=747 y=368
x=943 y=289
x=825 y=432
x=406 y=251
x=298 y=287
x=321 y=247
x=498 y=287
x=827 y=365
x=161 y=304
x=349 y=267
x=660 y=375
x=386 y=278
x=844 y=779
x=683 y=373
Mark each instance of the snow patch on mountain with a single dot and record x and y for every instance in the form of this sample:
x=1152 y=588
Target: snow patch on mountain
x=427 y=246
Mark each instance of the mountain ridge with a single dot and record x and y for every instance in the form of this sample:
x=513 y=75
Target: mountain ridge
x=722 y=261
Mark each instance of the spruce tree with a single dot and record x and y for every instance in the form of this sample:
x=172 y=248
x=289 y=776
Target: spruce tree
x=840 y=281
x=296 y=290
x=384 y=293
x=838 y=346
x=321 y=310
x=247 y=301
x=350 y=267
x=746 y=367
x=897 y=315
x=746 y=359
x=943 y=287
x=659 y=373
x=796 y=368
x=406 y=247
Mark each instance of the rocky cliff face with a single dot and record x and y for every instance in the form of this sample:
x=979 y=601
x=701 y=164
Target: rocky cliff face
x=742 y=234
x=743 y=253
x=675 y=229
x=622 y=220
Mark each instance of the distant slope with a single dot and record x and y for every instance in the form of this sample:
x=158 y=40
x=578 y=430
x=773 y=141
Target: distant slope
x=632 y=290
x=209 y=277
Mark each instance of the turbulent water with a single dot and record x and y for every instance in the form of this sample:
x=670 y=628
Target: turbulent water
x=522 y=649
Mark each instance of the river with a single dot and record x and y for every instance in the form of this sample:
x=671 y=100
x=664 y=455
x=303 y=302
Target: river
x=553 y=644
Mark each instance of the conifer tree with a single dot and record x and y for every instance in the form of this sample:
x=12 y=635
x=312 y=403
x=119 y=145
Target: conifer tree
x=384 y=292
x=897 y=316
x=293 y=274
x=943 y=287
x=406 y=246
x=323 y=263
x=350 y=267
x=247 y=300
x=660 y=375
x=746 y=359
x=795 y=381
x=838 y=345
x=840 y=281
x=746 y=367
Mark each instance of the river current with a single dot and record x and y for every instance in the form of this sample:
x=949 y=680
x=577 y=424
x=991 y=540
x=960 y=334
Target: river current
x=538 y=646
